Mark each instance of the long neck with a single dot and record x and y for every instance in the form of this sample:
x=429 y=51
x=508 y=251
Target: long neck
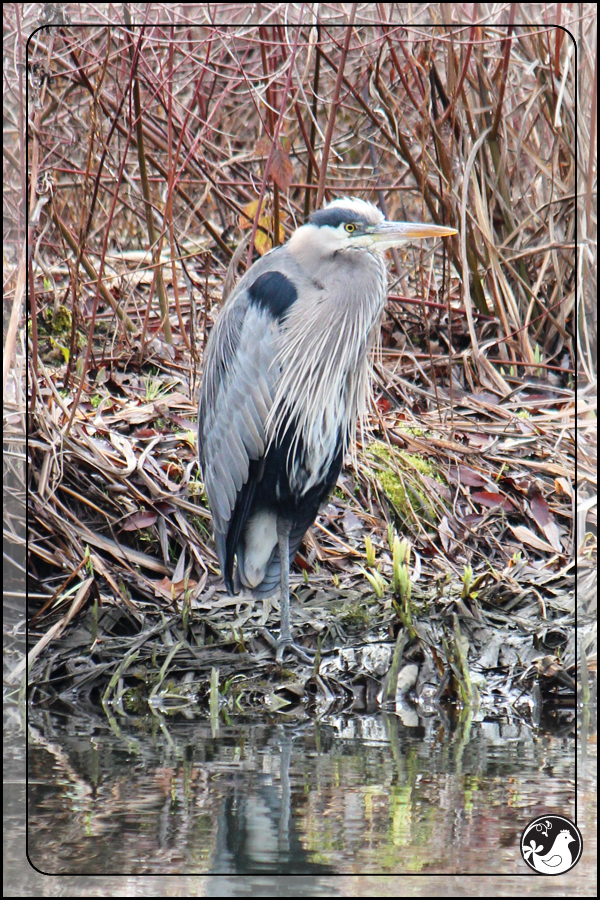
x=324 y=355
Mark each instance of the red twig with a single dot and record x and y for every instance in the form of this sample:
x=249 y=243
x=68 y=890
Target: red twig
x=334 y=106
x=273 y=145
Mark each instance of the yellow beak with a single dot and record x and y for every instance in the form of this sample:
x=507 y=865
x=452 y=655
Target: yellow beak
x=393 y=234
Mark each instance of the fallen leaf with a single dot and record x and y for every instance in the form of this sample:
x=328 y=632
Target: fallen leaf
x=174 y=399
x=480 y=440
x=246 y=220
x=302 y=563
x=136 y=414
x=263 y=241
x=172 y=470
x=282 y=169
x=522 y=485
x=446 y=534
x=552 y=533
x=263 y=145
x=471 y=520
x=384 y=404
x=489 y=499
x=172 y=590
x=563 y=488
x=539 y=508
x=139 y=520
x=350 y=523
x=436 y=488
x=526 y=536
x=144 y=433
x=465 y=475
x=544 y=518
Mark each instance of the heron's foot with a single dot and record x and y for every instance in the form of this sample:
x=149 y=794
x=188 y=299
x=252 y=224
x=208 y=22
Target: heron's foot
x=283 y=646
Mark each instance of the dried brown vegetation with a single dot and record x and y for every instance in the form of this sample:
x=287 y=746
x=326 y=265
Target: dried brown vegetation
x=152 y=153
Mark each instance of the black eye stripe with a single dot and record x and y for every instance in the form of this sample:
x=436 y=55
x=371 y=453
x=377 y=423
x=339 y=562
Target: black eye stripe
x=335 y=217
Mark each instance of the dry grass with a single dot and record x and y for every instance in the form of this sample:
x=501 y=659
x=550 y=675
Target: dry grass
x=151 y=153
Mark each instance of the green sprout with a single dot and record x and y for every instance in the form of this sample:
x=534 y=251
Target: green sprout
x=401 y=579
x=155 y=388
x=370 y=551
x=377 y=581
x=538 y=356
x=87 y=558
x=390 y=533
x=467 y=581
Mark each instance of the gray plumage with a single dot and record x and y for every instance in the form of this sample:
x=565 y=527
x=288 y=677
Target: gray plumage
x=286 y=375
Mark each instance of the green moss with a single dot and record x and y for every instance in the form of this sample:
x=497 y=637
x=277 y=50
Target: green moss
x=408 y=491
x=60 y=322
x=409 y=429
x=354 y=615
x=286 y=675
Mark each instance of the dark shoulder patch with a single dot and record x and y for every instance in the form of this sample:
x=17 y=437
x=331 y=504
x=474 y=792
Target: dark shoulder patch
x=274 y=293
x=334 y=217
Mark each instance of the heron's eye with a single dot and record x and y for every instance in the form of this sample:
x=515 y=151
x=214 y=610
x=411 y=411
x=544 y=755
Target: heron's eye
x=350 y=227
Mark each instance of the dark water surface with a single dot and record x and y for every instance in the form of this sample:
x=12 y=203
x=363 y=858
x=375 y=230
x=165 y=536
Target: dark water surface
x=345 y=794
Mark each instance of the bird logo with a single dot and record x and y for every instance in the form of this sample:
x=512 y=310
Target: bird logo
x=548 y=850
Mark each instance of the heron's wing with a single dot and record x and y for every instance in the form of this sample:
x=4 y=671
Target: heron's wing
x=237 y=393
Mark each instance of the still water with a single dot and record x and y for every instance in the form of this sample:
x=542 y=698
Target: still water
x=343 y=794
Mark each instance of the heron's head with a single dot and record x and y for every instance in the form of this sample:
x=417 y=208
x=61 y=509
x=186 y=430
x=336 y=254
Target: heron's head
x=352 y=224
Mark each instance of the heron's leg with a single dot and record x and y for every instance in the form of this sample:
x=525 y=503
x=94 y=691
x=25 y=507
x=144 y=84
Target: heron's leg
x=283 y=537
x=285 y=641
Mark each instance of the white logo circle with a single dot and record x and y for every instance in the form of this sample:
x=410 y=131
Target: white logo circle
x=551 y=845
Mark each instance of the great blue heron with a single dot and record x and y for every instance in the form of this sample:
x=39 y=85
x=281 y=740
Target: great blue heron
x=286 y=375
